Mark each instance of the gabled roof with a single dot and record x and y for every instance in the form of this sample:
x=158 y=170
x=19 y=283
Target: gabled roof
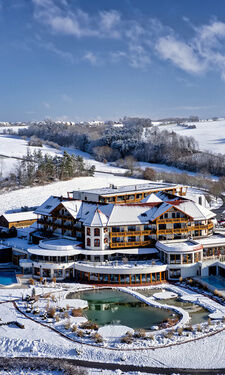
x=96 y=219
x=157 y=211
x=73 y=207
x=195 y=210
x=48 y=206
x=151 y=198
x=20 y=216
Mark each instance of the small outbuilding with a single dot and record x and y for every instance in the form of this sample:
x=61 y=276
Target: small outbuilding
x=18 y=219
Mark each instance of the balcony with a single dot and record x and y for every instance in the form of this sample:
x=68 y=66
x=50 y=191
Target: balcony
x=172 y=231
x=173 y=220
x=131 y=233
x=114 y=245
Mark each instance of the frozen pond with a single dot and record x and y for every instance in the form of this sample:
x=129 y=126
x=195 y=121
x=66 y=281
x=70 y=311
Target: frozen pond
x=108 y=306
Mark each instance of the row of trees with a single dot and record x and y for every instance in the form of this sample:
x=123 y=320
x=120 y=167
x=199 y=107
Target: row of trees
x=36 y=168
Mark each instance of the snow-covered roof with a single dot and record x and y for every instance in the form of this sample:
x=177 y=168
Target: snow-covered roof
x=97 y=219
x=50 y=204
x=178 y=246
x=152 y=207
x=195 y=210
x=20 y=216
x=215 y=240
x=130 y=188
x=151 y=198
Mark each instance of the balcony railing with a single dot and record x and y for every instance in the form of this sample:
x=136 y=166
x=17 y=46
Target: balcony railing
x=131 y=233
x=173 y=220
x=129 y=244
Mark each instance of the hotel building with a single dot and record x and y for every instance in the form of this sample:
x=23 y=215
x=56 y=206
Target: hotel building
x=140 y=234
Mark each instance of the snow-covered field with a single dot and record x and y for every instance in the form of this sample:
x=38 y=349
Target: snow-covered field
x=209 y=134
x=37 y=340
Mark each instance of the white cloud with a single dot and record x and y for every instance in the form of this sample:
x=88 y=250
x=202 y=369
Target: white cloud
x=49 y=46
x=139 y=38
x=66 y=98
x=46 y=105
x=180 y=53
x=91 y=58
x=110 y=23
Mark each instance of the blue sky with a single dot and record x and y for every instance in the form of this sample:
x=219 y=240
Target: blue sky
x=105 y=59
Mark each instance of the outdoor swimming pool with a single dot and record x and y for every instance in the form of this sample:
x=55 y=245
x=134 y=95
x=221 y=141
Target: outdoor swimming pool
x=7 y=277
x=108 y=306
x=216 y=281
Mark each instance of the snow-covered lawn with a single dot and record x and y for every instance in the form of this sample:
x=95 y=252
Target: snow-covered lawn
x=209 y=134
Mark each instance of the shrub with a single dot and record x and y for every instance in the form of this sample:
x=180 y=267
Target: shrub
x=98 y=338
x=51 y=312
x=74 y=328
x=53 y=298
x=223 y=319
x=57 y=318
x=54 y=280
x=77 y=312
x=180 y=279
x=168 y=335
x=140 y=333
x=80 y=333
x=199 y=328
x=209 y=322
x=89 y=325
x=180 y=331
x=66 y=314
x=151 y=337
x=127 y=339
x=31 y=281
x=189 y=328
x=67 y=325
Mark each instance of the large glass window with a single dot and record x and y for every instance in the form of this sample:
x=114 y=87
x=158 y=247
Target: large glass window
x=175 y=258
x=187 y=258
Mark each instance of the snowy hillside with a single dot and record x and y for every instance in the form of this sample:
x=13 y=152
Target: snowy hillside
x=209 y=134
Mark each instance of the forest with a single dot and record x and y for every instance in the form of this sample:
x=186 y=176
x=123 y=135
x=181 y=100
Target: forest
x=140 y=140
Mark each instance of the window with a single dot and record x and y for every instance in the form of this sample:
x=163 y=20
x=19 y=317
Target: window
x=106 y=240
x=97 y=243
x=88 y=231
x=96 y=232
x=88 y=242
x=166 y=215
x=105 y=230
x=173 y=215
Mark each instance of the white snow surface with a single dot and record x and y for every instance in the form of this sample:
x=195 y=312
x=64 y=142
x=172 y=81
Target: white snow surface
x=209 y=134
x=164 y=295
x=114 y=331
